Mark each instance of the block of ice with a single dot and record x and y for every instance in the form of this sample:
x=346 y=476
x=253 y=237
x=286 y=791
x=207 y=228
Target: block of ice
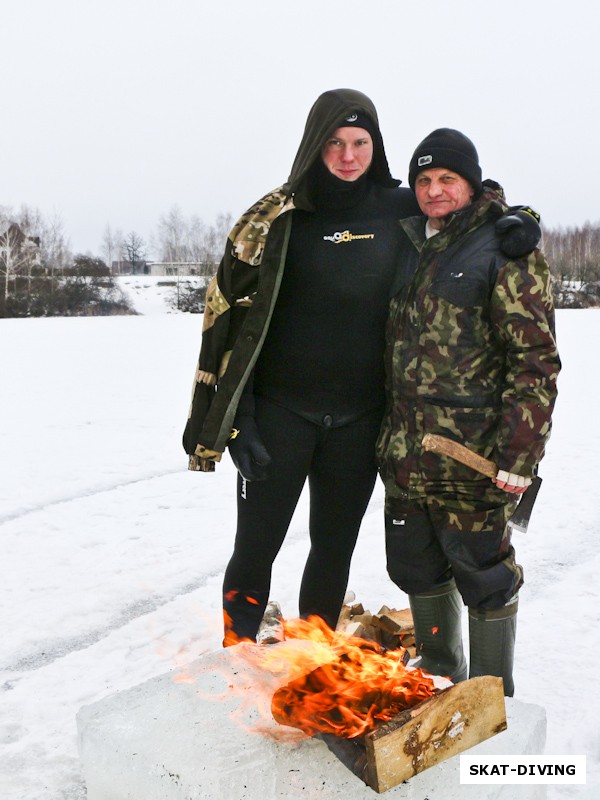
x=193 y=737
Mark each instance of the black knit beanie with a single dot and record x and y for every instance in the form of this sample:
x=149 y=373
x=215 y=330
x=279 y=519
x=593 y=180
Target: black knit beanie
x=448 y=149
x=359 y=119
x=379 y=170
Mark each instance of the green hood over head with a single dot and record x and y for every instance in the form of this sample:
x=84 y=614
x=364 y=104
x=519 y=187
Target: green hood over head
x=328 y=113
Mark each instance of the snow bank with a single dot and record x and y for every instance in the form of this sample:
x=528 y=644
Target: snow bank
x=113 y=553
x=153 y=295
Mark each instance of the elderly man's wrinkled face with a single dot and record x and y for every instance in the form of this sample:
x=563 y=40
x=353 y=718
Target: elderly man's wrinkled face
x=348 y=153
x=440 y=191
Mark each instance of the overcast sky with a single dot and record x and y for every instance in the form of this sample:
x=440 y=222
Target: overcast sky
x=116 y=110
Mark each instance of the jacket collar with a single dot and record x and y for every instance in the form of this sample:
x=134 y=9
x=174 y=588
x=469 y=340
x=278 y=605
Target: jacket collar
x=490 y=205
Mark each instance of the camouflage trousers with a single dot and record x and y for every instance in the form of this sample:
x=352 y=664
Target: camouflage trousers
x=440 y=536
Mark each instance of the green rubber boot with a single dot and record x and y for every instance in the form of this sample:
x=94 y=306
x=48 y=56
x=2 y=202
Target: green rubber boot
x=492 y=643
x=438 y=634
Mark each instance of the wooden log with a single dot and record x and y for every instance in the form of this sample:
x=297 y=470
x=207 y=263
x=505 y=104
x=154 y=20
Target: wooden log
x=271 y=627
x=366 y=618
x=344 y=618
x=351 y=752
x=397 y=620
x=364 y=626
x=443 y=726
x=389 y=640
x=389 y=627
x=354 y=629
x=450 y=722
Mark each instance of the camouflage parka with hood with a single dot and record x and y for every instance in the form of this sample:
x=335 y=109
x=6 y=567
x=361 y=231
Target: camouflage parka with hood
x=471 y=354
x=241 y=297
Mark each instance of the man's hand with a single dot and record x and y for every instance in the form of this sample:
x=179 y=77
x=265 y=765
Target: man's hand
x=515 y=484
x=519 y=231
x=247 y=451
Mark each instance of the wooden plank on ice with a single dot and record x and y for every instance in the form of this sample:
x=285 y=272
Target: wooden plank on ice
x=443 y=726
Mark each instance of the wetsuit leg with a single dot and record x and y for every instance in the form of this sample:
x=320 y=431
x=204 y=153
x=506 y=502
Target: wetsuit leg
x=341 y=480
x=265 y=509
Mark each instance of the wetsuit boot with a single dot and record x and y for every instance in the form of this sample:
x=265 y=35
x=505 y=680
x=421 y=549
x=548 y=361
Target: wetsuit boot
x=242 y=615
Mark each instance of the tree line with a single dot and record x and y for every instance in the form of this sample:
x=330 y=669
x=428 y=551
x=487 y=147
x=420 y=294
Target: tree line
x=573 y=253
x=176 y=239
x=574 y=257
x=41 y=276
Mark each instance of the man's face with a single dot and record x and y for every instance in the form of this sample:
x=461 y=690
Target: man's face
x=440 y=191
x=348 y=153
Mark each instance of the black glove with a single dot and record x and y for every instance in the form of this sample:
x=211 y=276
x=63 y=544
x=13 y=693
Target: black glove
x=519 y=231
x=247 y=450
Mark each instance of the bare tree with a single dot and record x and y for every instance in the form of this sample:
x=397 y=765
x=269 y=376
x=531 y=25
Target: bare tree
x=56 y=253
x=574 y=253
x=11 y=255
x=180 y=239
x=173 y=235
x=135 y=249
x=19 y=254
x=196 y=235
x=223 y=225
x=111 y=247
x=215 y=241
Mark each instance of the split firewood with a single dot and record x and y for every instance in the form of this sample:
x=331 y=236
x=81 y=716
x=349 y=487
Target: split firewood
x=451 y=722
x=419 y=736
x=396 y=621
x=344 y=618
x=391 y=627
x=356 y=628
x=270 y=630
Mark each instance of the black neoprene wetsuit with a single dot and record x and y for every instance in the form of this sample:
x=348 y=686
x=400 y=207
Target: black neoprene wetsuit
x=319 y=392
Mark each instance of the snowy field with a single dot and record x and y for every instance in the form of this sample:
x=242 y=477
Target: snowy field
x=113 y=553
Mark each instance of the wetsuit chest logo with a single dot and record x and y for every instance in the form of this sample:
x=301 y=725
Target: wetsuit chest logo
x=345 y=236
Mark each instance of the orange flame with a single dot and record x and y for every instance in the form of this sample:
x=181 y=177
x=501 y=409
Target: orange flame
x=342 y=684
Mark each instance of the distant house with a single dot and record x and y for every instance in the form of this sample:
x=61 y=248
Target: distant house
x=179 y=268
x=162 y=268
x=124 y=267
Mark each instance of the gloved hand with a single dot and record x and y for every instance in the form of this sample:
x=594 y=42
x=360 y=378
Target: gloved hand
x=247 y=451
x=519 y=231
x=515 y=484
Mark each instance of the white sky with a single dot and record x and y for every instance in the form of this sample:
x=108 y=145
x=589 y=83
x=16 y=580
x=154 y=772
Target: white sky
x=115 y=110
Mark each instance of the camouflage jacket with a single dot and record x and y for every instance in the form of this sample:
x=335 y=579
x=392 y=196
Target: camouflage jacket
x=470 y=354
x=256 y=249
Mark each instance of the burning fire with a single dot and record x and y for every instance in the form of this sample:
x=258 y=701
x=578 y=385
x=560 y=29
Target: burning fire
x=341 y=684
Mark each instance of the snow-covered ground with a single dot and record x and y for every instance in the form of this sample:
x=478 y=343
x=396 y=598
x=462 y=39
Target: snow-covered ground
x=113 y=553
x=151 y=295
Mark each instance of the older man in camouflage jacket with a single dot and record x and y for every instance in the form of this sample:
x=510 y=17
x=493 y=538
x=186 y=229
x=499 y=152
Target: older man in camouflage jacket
x=471 y=354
